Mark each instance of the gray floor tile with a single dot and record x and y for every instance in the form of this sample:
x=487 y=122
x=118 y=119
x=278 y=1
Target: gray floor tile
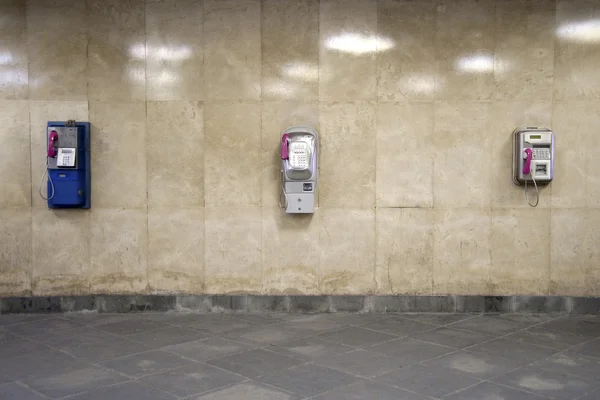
x=263 y=335
x=358 y=319
x=356 y=336
x=191 y=380
x=313 y=324
x=593 y=395
x=410 y=351
x=361 y=363
x=74 y=381
x=14 y=391
x=524 y=353
x=436 y=318
x=220 y=325
x=481 y=366
x=169 y=336
x=267 y=318
x=246 y=391
x=399 y=326
x=544 y=337
x=255 y=363
x=125 y=391
x=308 y=379
x=189 y=318
x=72 y=337
x=327 y=341
x=490 y=325
x=456 y=338
x=556 y=385
x=429 y=381
x=150 y=362
x=527 y=319
x=166 y=317
x=363 y=389
x=129 y=327
x=96 y=319
x=491 y=391
x=6 y=336
x=206 y=349
x=12 y=319
x=591 y=348
x=41 y=327
x=572 y=363
x=587 y=325
x=37 y=363
x=310 y=348
x=19 y=347
x=104 y=350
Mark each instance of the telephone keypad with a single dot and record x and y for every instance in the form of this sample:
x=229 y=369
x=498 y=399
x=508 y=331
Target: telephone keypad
x=299 y=158
x=541 y=154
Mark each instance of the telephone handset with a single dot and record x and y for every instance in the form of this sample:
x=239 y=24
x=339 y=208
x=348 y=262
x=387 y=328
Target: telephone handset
x=527 y=163
x=284 y=146
x=52 y=143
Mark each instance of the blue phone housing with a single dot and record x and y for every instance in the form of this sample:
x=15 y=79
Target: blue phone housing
x=73 y=186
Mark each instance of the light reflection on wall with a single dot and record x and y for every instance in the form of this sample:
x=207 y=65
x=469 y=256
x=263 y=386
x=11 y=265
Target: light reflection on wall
x=161 y=53
x=10 y=73
x=302 y=71
x=12 y=77
x=136 y=74
x=475 y=63
x=165 y=75
x=6 y=58
x=581 y=31
x=422 y=84
x=280 y=88
x=358 y=44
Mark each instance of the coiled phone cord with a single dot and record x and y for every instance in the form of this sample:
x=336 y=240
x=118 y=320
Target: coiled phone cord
x=42 y=183
x=537 y=192
x=282 y=195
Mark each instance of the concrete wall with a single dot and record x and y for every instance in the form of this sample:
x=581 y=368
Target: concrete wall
x=187 y=101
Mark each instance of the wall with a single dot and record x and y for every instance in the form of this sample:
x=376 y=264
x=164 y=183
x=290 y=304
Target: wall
x=187 y=102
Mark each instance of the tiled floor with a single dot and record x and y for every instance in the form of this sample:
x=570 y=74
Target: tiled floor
x=281 y=356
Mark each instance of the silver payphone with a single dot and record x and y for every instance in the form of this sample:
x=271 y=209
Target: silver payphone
x=299 y=170
x=533 y=158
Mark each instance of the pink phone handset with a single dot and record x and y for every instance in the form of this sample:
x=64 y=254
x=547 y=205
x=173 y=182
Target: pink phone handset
x=52 y=139
x=284 y=146
x=527 y=164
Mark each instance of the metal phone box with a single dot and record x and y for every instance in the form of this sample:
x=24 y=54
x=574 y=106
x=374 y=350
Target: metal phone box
x=299 y=172
x=68 y=162
x=533 y=155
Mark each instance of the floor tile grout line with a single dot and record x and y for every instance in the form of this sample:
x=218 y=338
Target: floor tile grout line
x=463 y=389
x=21 y=383
x=215 y=389
x=519 y=389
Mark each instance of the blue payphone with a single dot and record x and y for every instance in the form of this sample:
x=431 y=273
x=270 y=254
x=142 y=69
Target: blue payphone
x=68 y=165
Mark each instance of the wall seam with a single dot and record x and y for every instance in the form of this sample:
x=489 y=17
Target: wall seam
x=552 y=108
x=261 y=287
x=204 y=169
x=148 y=286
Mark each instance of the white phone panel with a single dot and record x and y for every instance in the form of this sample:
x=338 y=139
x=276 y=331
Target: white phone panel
x=66 y=157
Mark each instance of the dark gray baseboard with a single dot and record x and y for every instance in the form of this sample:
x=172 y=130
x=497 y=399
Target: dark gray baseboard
x=302 y=304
